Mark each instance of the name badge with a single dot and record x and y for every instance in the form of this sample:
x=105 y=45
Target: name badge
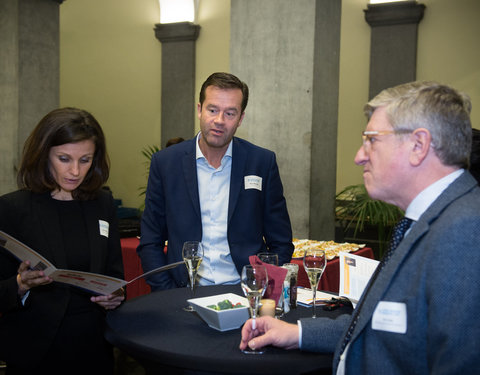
x=390 y=317
x=103 y=228
x=253 y=182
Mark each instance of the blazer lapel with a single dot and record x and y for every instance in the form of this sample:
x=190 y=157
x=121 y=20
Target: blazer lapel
x=239 y=159
x=190 y=174
x=384 y=278
x=91 y=211
x=50 y=228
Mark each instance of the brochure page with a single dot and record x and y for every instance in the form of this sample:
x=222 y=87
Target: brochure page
x=93 y=282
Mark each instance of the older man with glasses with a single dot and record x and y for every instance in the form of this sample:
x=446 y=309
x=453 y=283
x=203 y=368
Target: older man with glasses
x=419 y=312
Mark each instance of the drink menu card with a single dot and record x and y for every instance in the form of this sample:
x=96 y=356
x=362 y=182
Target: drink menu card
x=93 y=282
x=355 y=272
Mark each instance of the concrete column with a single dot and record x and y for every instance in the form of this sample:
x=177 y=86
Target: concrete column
x=393 y=50
x=178 y=79
x=288 y=53
x=8 y=94
x=29 y=75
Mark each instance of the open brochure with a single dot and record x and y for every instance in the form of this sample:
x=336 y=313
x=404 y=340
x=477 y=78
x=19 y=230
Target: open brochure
x=355 y=272
x=93 y=282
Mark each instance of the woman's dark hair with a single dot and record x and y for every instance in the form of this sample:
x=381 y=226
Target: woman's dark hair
x=61 y=126
x=225 y=81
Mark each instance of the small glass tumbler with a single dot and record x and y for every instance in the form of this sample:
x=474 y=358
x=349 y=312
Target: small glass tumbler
x=270 y=258
x=293 y=273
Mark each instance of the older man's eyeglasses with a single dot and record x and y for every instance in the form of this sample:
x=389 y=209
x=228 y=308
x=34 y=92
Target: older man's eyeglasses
x=368 y=136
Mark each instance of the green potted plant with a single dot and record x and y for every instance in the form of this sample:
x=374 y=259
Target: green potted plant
x=148 y=153
x=365 y=219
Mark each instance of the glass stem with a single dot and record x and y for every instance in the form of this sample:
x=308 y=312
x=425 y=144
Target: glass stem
x=254 y=314
x=314 y=301
x=191 y=274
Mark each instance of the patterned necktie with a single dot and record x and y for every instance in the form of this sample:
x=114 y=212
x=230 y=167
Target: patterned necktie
x=398 y=233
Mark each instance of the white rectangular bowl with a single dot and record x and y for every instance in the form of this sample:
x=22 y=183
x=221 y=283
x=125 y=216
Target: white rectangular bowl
x=223 y=320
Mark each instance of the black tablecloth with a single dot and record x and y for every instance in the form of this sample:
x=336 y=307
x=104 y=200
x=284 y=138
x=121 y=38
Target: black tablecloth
x=156 y=331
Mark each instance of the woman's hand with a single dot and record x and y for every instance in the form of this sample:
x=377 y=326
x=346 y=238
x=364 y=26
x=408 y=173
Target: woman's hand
x=111 y=301
x=28 y=278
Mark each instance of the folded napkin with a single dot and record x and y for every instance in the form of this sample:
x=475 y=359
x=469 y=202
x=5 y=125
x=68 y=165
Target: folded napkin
x=276 y=277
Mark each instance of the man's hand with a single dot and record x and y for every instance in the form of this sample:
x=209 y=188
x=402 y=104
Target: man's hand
x=269 y=331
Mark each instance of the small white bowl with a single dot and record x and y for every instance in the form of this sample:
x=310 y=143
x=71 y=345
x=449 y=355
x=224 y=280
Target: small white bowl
x=223 y=320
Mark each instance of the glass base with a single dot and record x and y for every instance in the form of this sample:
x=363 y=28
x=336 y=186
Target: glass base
x=251 y=351
x=279 y=313
x=188 y=308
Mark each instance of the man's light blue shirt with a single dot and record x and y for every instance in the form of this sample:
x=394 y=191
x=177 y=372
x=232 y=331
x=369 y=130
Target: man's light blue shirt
x=214 y=189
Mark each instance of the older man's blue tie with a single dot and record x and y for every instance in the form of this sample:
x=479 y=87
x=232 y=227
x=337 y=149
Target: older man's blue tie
x=398 y=233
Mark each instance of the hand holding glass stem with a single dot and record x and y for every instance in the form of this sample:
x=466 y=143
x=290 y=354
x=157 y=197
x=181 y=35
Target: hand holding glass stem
x=254 y=280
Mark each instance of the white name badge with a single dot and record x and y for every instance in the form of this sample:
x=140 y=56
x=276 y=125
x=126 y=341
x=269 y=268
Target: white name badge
x=103 y=228
x=253 y=182
x=390 y=317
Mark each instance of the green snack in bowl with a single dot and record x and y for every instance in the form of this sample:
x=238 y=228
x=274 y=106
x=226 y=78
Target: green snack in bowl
x=225 y=305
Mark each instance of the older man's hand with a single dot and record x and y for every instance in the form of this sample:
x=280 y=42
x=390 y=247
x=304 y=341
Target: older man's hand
x=269 y=331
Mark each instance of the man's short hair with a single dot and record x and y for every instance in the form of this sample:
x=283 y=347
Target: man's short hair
x=225 y=81
x=442 y=110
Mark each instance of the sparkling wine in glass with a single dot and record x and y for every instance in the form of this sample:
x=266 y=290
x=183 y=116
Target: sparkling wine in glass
x=314 y=262
x=254 y=281
x=192 y=254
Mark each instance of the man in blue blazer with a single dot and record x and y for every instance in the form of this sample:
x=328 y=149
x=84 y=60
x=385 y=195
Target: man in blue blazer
x=214 y=188
x=419 y=313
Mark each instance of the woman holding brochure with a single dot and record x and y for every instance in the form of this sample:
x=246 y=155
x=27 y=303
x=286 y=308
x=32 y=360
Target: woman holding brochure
x=62 y=212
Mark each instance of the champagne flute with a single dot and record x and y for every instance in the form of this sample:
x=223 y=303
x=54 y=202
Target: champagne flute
x=254 y=281
x=314 y=262
x=192 y=254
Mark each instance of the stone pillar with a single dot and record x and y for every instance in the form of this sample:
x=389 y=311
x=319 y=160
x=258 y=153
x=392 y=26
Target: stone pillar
x=29 y=75
x=393 y=50
x=178 y=79
x=288 y=53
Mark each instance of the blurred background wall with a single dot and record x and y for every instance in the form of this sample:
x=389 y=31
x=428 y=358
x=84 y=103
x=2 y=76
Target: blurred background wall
x=110 y=65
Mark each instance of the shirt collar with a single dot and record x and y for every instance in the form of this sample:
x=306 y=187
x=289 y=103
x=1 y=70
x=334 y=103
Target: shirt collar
x=199 y=153
x=427 y=196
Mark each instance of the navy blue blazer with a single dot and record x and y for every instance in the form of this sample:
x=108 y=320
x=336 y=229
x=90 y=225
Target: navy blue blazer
x=434 y=273
x=27 y=331
x=257 y=220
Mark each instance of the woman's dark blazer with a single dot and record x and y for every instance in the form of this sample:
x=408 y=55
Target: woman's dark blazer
x=26 y=331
